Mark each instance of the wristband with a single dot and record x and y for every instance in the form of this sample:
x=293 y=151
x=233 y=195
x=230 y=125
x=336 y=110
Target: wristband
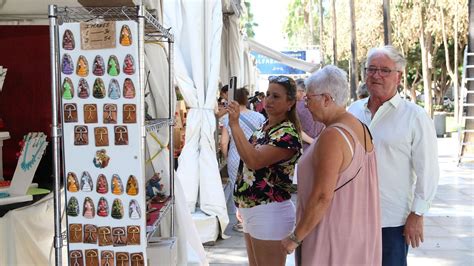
x=293 y=238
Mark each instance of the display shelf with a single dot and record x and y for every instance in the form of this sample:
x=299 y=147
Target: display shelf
x=156 y=216
x=99 y=136
x=153 y=28
x=157 y=124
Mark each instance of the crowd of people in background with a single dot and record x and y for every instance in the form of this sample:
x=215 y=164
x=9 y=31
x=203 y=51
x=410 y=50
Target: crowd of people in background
x=366 y=173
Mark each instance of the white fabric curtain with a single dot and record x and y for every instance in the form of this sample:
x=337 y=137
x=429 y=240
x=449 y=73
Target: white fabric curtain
x=232 y=52
x=197 y=27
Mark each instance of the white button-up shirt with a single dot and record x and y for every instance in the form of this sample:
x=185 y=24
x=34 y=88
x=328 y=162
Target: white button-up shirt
x=407 y=157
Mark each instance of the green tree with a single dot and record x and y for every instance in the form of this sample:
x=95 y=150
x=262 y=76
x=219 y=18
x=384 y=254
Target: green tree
x=246 y=20
x=301 y=24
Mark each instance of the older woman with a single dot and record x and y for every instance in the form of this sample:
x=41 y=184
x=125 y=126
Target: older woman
x=263 y=186
x=338 y=214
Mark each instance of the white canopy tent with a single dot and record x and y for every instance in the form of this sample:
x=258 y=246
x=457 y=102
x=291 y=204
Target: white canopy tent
x=197 y=27
x=280 y=57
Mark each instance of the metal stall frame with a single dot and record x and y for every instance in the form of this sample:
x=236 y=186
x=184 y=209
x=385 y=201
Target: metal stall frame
x=149 y=28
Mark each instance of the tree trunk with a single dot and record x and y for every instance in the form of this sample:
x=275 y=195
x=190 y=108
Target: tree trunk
x=425 y=43
x=334 y=33
x=387 y=29
x=321 y=32
x=354 y=79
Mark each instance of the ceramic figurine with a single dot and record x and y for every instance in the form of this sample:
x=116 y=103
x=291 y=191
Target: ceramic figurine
x=68 y=89
x=73 y=207
x=153 y=186
x=68 y=40
x=128 y=89
x=67 y=66
x=113 y=67
x=117 y=186
x=101 y=159
x=98 y=68
x=103 y=207
x=83 y=89
x=132 y=186
x=134 y=210
x=86 y=182
x=89 y=209
x=128 y=65
x=72 y=182
x=125 y=36
x=82 y=67
x=114 y=89
x=117 y=209
x=102 y=184
x=98 y=89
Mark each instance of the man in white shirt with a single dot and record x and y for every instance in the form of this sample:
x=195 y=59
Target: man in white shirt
x=406 y=150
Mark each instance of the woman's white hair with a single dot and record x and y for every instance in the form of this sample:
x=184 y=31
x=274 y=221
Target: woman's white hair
x=331 y=80
x=391 y=52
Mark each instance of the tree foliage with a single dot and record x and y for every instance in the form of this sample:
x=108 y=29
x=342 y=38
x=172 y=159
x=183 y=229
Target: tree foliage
x=417 y=28
x=246 y=20
x=301 y=25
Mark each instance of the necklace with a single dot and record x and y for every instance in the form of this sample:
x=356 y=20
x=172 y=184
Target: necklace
x=26 y=165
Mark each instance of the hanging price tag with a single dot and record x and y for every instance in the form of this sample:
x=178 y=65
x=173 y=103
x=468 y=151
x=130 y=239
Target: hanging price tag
x=97 y=35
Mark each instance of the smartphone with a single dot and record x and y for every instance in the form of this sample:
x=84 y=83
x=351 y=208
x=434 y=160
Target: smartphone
x=232 y=88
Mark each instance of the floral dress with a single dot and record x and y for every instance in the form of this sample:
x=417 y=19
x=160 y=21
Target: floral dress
x=271 y=183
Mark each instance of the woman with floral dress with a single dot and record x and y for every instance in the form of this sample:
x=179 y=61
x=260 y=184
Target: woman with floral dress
x=263 y=186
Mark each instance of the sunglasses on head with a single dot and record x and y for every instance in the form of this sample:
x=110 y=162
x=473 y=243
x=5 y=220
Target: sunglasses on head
x=279 y=79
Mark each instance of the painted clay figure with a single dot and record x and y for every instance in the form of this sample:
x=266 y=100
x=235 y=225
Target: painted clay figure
x=68 y=40
x=99 y=89
x=153 y=186
x=101 y=159
x=72 y=182
x=117 y=186
x=82 y=68
x=89 y=210
x=113 y=66
x=86 y=182
x=102 y=184
x=128 y=89
x=102 y=207
x=125 y=36
x=67 y=66
x=83 y=89
x=132 y=186
x=114 y=89
x=73 y=207
x=134 y=210
x=98 y=68
x=68 y=89
x=128 y=65
x=117 y=209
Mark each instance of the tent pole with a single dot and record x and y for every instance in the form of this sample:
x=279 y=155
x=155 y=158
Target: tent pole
x=55 y=132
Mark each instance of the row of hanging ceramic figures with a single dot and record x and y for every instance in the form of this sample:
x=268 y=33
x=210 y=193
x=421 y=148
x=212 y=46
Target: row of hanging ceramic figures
x=153 y=186
x=98 y=91
x=110 y=110
x=88 y=209
x=105 y=235
x=101 y=136
x=125 y=38
x=76 y=258
x=98 y=68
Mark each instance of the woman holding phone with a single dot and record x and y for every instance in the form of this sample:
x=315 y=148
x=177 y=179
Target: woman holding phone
x=263 y=186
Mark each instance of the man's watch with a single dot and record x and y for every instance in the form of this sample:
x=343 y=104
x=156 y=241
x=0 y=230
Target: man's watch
x=293 y=238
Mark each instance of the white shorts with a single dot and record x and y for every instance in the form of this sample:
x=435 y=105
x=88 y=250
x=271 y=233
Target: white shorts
x=272 y=221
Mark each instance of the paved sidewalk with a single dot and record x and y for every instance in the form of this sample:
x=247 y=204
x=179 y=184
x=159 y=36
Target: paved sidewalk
x=449 y=226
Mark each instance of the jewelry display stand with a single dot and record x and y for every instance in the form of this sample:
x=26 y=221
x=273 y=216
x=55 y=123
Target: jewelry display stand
x=99 y=133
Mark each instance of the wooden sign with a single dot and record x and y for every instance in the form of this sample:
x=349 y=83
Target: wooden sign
x=97 y=35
